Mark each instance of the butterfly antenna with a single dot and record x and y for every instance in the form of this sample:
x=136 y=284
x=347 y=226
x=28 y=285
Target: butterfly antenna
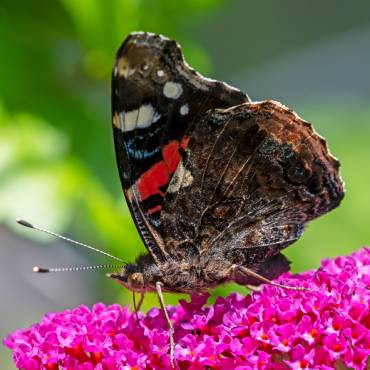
x=74 y=268
x=31 y=226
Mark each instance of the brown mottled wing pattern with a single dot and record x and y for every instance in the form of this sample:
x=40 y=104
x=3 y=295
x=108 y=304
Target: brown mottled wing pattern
x=253 y=175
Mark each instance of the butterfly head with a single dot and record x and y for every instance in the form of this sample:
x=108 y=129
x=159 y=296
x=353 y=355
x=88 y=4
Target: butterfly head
x=138 y=277
x=133 y=282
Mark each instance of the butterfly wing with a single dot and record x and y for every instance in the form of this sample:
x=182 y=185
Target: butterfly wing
x=252 y=177
x=156 y=99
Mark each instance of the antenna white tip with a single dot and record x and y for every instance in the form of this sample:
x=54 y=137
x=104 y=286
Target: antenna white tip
x=24 y=223
x=40 y=269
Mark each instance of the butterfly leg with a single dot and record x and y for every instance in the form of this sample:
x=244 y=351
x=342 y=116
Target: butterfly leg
x=141 y=300
x=137 y=306
x=158 y=285
x=250 y=273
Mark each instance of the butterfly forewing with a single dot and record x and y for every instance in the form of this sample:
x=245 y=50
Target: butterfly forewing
x=157 y=100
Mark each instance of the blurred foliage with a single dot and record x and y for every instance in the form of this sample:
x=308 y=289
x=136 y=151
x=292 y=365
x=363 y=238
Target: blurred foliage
x=57 y=163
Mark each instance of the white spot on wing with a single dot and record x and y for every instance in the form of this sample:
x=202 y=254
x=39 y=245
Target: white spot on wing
x=138 y=118
x=123 y=68
x=172 y=90
x=145 y=117
x=117 y=120
x=130 y=120
x=122 y=121
x=184 y=109
x=182 y=178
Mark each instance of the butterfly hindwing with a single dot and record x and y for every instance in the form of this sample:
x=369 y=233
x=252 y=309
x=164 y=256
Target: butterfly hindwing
x=252 y=176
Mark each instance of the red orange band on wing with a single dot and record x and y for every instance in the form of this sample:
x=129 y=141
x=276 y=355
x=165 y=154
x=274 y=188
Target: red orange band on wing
x=154 y=209
x=159 y=174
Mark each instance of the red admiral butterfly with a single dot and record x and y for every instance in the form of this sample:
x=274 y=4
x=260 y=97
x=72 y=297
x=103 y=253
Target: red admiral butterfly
x=217 y=184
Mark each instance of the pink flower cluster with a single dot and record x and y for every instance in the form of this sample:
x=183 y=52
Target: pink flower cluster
x=326 y=328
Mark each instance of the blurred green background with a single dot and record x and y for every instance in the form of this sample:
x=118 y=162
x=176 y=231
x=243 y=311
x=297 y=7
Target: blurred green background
x=57 y=163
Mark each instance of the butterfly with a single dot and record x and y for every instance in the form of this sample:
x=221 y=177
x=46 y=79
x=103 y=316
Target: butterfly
x=217 y=184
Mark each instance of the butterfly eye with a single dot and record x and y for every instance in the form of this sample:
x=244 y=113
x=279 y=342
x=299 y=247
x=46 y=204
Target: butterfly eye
x=160 y=75
x=136 y=279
